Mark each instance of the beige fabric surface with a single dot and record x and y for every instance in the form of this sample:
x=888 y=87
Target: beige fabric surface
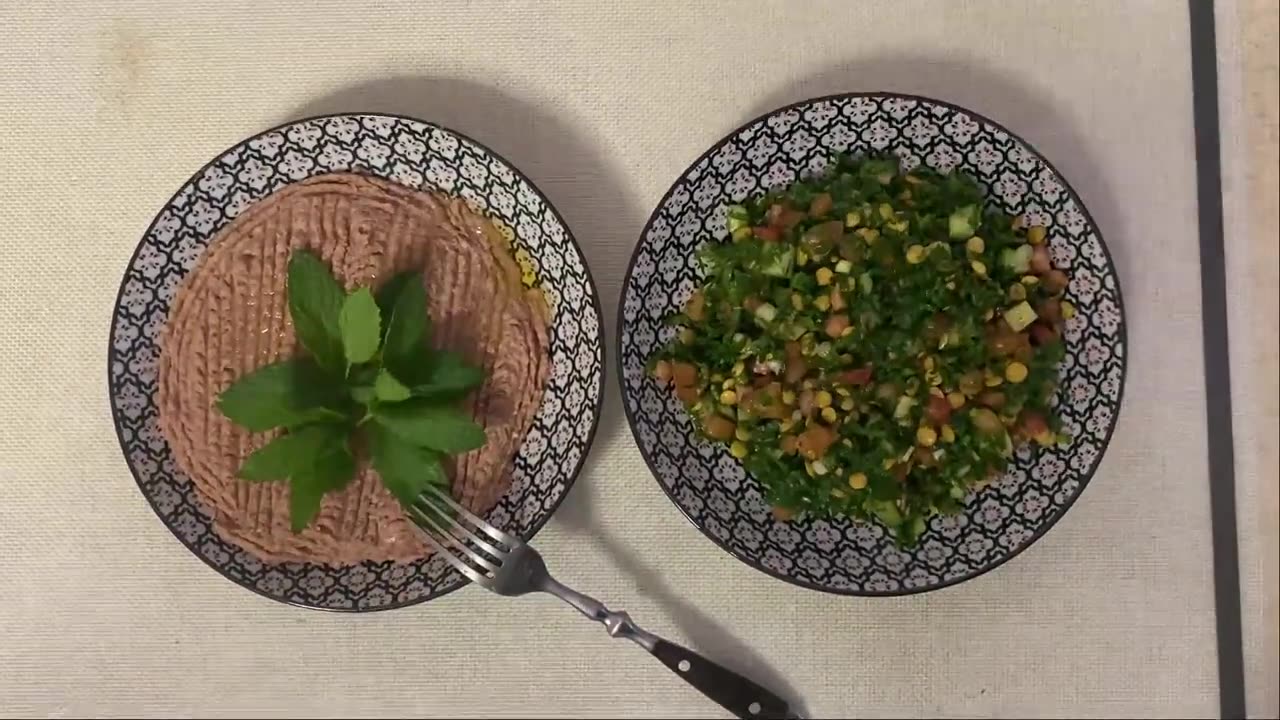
x=109 y=107
x=1249 y=105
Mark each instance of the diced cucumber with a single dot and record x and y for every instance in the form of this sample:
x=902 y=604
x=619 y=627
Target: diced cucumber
x=864 y=283
x=737 y=218
x=963 y=223
x=903 y=409
x=1017 y=259
x=1020 y=316
x=780 y=264
x=886 y=511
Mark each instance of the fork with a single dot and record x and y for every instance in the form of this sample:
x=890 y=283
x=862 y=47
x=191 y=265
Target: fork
x=505 y=564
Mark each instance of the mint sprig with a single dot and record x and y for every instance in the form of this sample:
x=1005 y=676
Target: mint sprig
x=368 y=380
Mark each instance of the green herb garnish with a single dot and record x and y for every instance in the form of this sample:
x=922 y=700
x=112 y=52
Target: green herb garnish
x=369 y=380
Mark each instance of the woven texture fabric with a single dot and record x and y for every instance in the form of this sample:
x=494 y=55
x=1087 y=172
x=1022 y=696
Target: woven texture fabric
x=109 y=107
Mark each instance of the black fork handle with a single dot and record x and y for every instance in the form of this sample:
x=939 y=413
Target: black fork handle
x=731 y=691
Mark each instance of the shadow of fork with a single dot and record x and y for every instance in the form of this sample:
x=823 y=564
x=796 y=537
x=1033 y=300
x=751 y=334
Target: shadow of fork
x=704 y=633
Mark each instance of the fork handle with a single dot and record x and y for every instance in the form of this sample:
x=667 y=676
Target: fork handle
x=733 y=692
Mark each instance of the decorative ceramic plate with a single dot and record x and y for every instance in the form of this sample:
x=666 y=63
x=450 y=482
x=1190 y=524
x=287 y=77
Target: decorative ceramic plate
x=418 y=155
x=844 y=556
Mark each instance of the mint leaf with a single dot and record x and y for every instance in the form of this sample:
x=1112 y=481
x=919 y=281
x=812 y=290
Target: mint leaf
x=406 y=469
x=438 y=427
x=362 y=394
x=315 y=300
x=407 y=326
x=388 y=389
x=389 y=293
x=281 y=457
x=287 y=393
x=332 y=470
x=360 y=323
x=449 y=376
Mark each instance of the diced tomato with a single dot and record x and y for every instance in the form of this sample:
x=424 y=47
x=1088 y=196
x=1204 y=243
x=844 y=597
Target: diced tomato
x=821 y=205
x=768 y=233
x=684 y=374
x=836 y=325
x=860 y=376
x=814 y=442
x=719 y=427
x=938 y=410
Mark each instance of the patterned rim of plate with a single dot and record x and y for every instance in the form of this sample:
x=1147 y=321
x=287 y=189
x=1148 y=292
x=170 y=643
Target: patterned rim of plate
x=409 y=583
x=632 y=388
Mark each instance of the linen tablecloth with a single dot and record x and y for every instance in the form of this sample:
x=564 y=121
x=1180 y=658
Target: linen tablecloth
x=109 y=107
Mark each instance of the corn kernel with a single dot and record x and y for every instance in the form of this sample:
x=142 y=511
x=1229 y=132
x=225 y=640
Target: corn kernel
x=1015 y=372
x=786 y=425
x=846 y=404
x=869 y=234
x=979 y=268
x=738 y=449
x=948 y=434
x=852 y=220
x=797 y=301
x=729 y=384
x=1030 y=280
x=788 y=397
x=858 y=481
x=802 y=257
x=955 y=400
x=915 y=254
x=926 y=436
x=993 y=380
x=1068 y=310
x=975 y=245
x=846 y=332
x=824 y=276
x=886 y=211
x=1035 y=234
x=728 y=397
x=822 y=302
x=823 y=399
x=898 y=225
x=829 y=414
x=742 y=434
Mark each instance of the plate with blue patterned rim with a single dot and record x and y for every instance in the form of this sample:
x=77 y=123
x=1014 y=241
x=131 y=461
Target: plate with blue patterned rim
x=419 y=155
x=845 y=556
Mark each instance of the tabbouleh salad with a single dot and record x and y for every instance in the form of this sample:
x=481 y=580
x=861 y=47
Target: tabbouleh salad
x=872 y=343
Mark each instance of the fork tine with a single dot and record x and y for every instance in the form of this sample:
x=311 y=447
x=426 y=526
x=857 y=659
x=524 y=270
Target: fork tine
x=462 y=567
x=456 y=527
x=474 y=556
x=493 y=532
